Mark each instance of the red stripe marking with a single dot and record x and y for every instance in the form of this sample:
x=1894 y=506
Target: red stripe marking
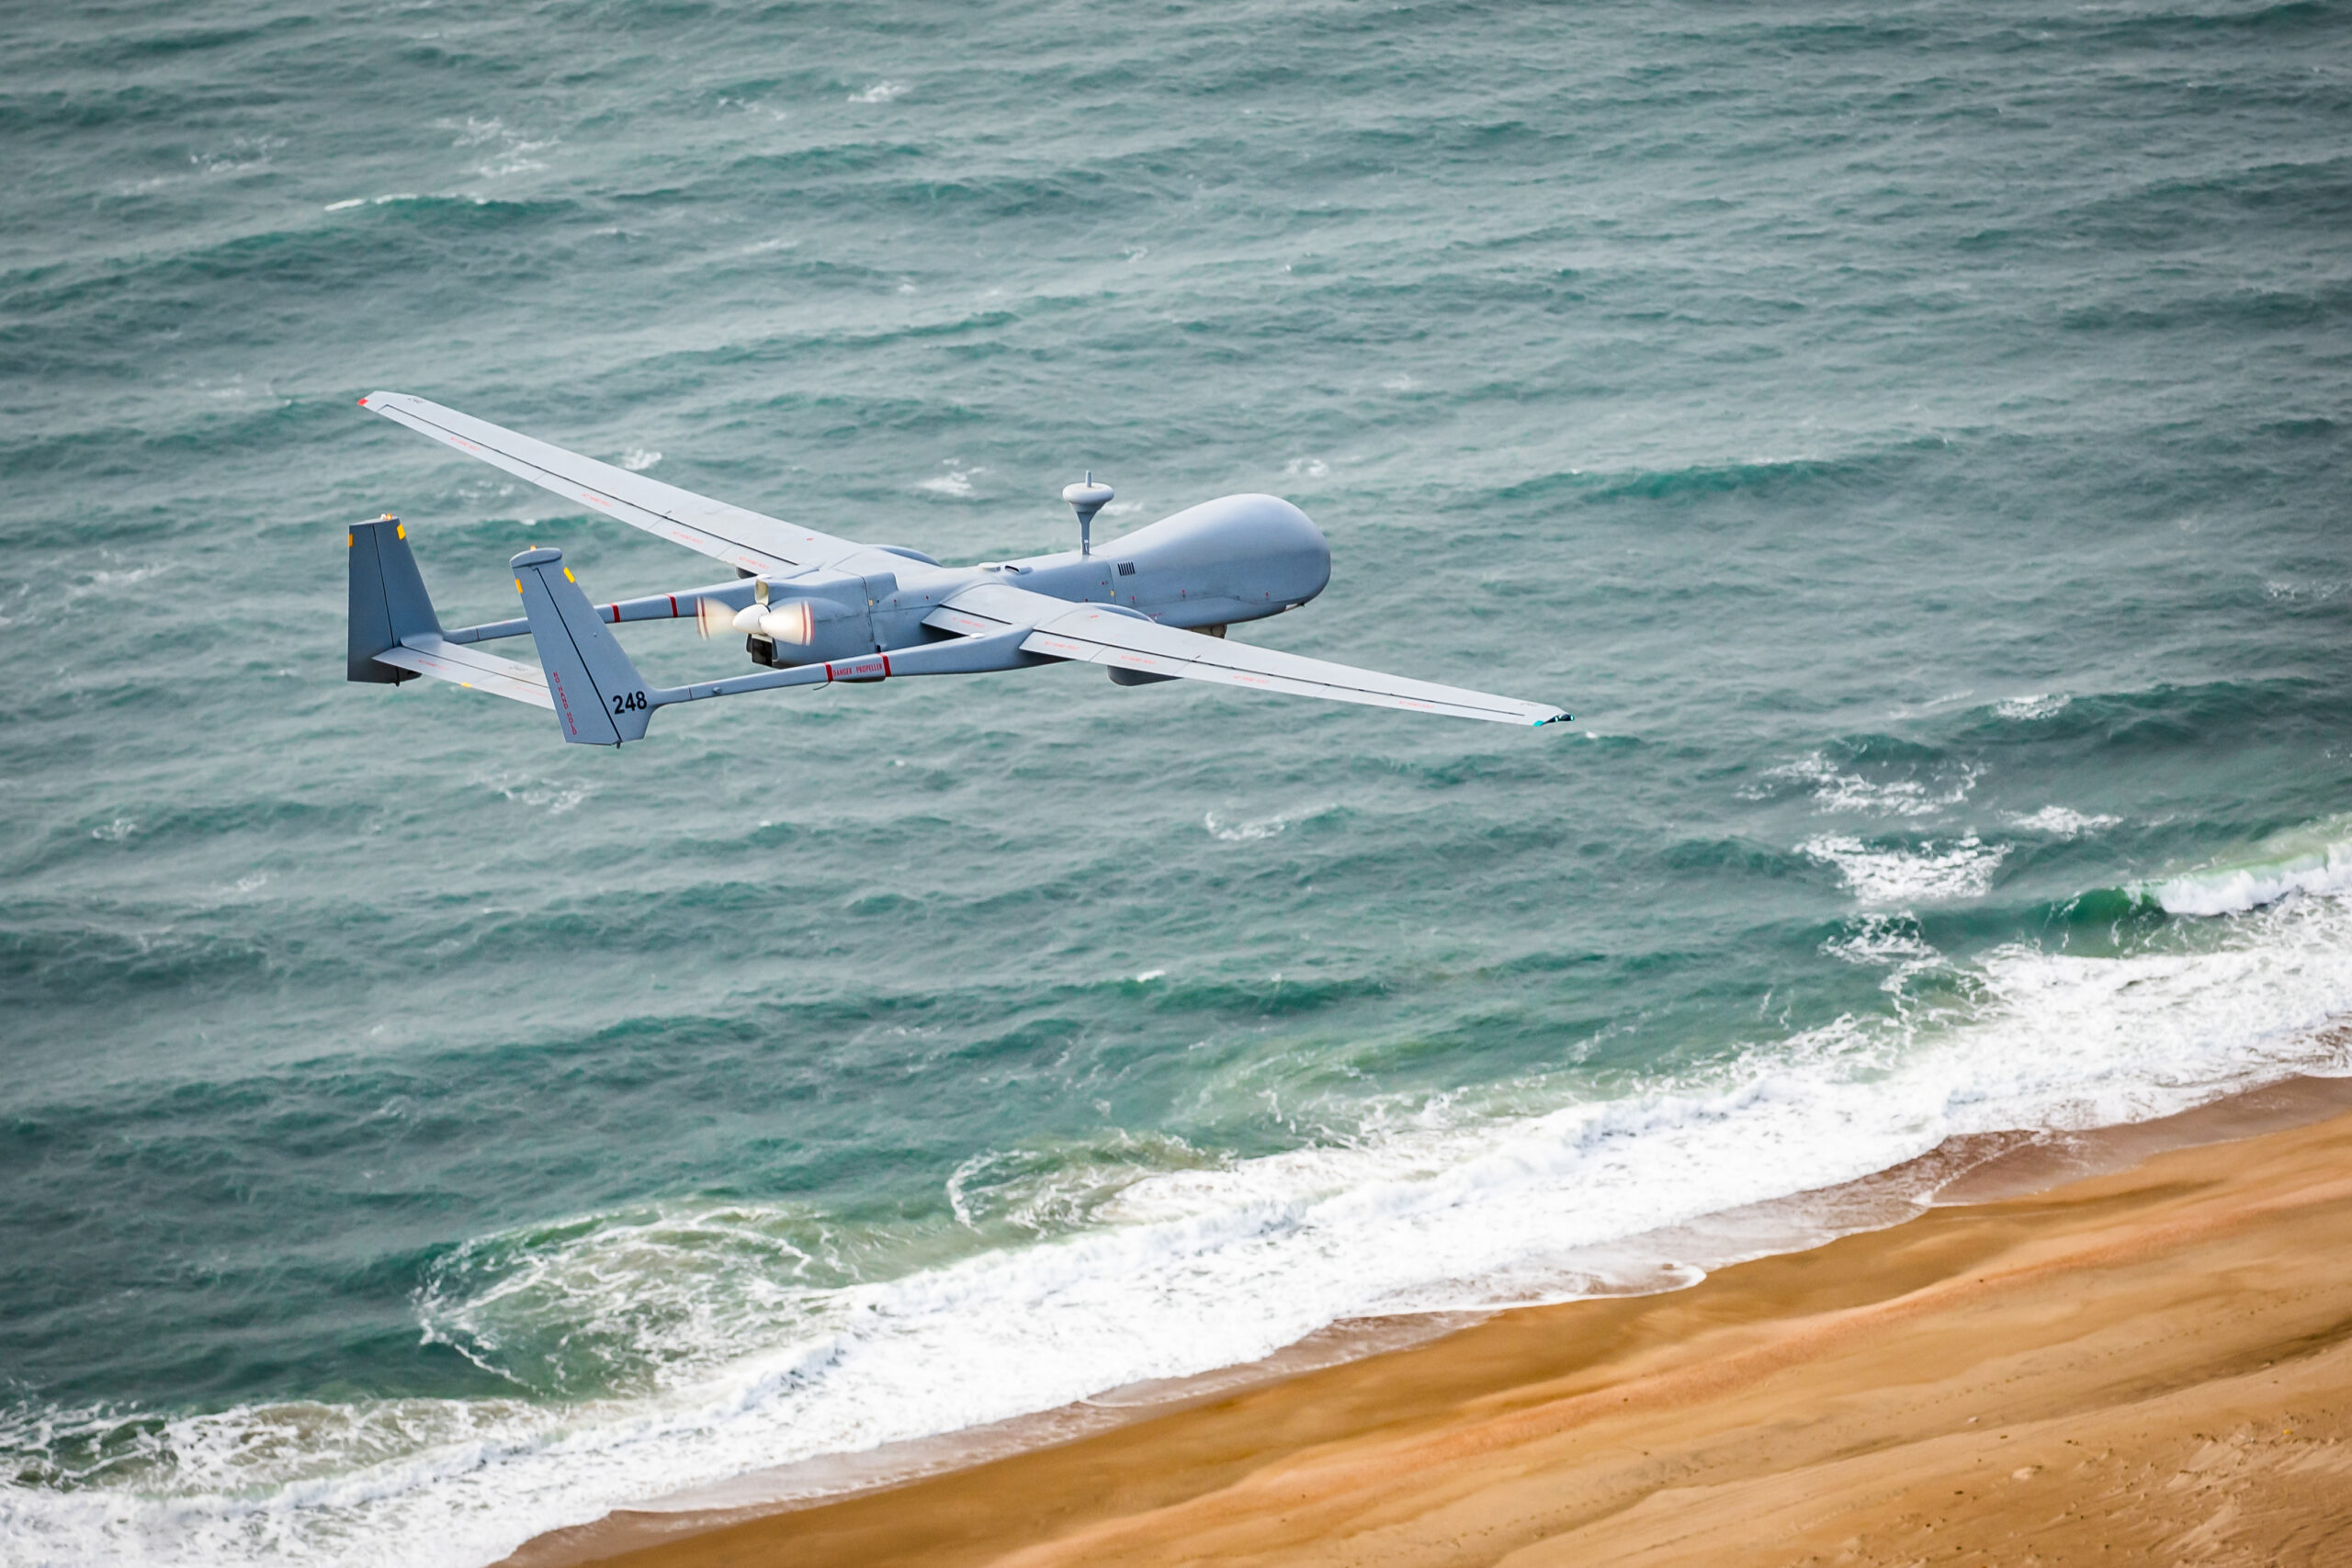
x=673 y=606
x=885 y=666
x=616 y=614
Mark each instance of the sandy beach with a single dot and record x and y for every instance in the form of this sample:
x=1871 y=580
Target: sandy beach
x=2151 y=1364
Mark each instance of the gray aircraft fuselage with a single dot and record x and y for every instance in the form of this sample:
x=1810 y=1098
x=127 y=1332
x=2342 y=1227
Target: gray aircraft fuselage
x=1239 y=557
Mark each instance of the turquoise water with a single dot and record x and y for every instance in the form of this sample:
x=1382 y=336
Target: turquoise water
x=1913 y=441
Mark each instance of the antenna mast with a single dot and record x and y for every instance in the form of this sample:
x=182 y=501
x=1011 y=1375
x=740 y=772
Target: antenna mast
x=1087 y=498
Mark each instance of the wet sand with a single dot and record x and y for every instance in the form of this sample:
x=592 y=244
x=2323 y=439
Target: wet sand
x=2152 y=1362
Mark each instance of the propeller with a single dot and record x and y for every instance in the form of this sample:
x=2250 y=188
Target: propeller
x=793 y=622
x=713 y=618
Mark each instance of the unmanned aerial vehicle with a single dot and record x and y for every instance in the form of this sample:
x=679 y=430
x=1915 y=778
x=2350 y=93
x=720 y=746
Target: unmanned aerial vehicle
x=1151 y=606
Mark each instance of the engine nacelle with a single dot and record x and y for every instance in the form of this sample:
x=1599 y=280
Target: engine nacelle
x=785 y=628
x=793 y=623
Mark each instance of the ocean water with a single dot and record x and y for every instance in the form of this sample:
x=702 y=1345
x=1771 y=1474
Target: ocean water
x=1913 y=439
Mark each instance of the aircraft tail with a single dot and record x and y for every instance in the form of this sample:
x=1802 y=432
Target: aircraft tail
x=389 y=605
x=600 y=699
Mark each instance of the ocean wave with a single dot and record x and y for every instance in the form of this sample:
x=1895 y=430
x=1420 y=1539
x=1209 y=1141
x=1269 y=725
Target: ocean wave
x=2150 y=719
x=2062 y=822
x=2309 y=862
x=2040 y=704
x=1704 y=479
x=956 y=483
x=1882 y=939
x=751 y=1336
x=1846 y=789
x=1249 y=832
x=1929 y=872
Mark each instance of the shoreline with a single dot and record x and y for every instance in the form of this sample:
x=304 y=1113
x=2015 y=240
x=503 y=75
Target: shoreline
x=1095 y=1481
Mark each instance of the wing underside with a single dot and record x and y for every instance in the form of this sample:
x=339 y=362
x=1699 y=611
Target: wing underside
x=732 y=534
x=1096 y=634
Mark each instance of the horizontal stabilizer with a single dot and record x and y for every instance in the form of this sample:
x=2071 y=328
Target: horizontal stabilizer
x=471 y=668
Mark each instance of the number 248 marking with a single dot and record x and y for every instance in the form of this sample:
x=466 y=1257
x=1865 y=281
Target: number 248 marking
x=628 y=701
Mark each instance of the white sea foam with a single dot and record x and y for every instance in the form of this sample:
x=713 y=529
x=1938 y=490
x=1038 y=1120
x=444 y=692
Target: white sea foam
x=956 y=482
x=2061 y=822
x=1243 y=832
x=756 y=1343
x=2318 y=590
x=2312 y=861
x=1877 y=938
x=1932 y=872
x=524 y=790
x=1836 y=789
x=2040 y=705
x=505 y=150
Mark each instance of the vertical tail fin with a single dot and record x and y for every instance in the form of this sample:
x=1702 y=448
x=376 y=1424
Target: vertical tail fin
x=600 y=699
x=389 y=603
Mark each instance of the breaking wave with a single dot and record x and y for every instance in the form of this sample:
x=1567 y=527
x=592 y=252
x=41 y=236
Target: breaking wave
x=1931 y=872
x=2316 y=860
x=725 y=1336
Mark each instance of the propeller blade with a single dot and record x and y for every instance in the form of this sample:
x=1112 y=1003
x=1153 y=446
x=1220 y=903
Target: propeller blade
x=713 y=619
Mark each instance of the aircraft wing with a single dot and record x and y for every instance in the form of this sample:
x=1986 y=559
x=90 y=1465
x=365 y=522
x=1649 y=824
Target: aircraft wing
x=1097 y=635
x=732 y=534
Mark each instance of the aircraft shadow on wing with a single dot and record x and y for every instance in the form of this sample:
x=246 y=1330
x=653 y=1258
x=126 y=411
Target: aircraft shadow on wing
x=814 y=609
